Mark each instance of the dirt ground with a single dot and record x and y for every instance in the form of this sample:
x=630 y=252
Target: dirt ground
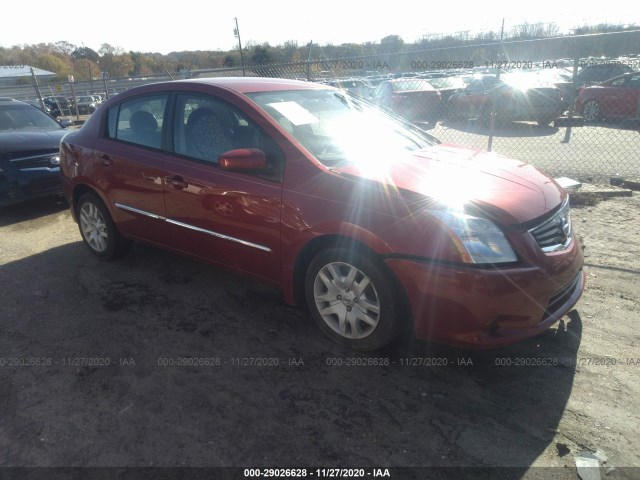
x=157 y=360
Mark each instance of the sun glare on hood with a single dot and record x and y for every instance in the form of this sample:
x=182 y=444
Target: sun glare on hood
x=452 y=187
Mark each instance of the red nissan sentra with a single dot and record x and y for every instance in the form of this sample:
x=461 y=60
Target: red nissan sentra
x=367 y=220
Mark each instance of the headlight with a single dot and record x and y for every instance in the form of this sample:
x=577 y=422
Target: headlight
x=478 y=240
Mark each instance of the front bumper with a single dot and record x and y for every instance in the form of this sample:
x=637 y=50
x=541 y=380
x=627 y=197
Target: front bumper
x=483 y=308
x=39 y=182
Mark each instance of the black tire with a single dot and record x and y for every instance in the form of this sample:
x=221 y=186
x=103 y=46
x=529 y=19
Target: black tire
x=98 y=231
x=352 y=299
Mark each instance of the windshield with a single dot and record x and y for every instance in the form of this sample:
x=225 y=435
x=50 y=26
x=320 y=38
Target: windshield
x=26 y=117
x=338 y=128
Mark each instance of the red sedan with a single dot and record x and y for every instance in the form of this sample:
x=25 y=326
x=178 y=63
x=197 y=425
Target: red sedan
x=412 y=98
x=617 y=98
x=370 y=222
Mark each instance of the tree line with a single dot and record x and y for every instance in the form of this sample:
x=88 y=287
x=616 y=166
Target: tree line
x=65 y=59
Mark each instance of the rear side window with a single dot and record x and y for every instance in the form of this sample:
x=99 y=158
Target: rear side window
x=138 y=121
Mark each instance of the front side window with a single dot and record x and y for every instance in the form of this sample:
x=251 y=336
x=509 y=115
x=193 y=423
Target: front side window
x=139 y=120
x=204 y=127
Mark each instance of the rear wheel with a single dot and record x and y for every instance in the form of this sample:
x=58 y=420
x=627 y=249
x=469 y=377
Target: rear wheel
x=98 y=231
x=591 y=111
x=352 y=299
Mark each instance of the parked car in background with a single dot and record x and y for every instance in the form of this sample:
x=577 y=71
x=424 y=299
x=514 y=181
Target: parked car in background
x=86 y=104
x=29 y=152
x=473 y=100
x=515 y=97
x=447 y=86
x=594 y=72
x=414 y=99
x=58 y=106
x=355 y=86
x=617 y=98
x=36 y=103
x=366 y=219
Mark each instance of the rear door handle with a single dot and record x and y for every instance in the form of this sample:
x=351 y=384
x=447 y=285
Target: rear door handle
x=176 y=182
x=106 y=159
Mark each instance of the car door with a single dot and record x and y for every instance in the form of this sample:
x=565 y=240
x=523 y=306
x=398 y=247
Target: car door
x=232 y=218
x=630 y=95
x=611 y=97
x=130 y=160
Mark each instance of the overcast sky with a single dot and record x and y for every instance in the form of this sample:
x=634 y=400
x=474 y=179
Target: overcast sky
x=189 y=25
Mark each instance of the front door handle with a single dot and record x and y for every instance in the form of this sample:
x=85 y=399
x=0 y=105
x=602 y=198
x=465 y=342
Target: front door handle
x=106 y=159
x=176 y=182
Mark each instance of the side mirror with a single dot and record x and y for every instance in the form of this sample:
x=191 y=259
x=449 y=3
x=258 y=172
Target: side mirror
x=243 y=159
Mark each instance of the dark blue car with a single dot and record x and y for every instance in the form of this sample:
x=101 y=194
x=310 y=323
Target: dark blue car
x=29 y=152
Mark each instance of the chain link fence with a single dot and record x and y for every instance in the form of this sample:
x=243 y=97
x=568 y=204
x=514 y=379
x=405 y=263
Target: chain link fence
x=505 y=97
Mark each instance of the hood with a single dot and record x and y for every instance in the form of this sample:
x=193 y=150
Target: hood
x=20 y=141
x=508 y=190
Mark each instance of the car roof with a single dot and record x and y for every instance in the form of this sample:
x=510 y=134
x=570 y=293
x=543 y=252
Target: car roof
x=624 y=75
x=13 y=101
x=254 y=84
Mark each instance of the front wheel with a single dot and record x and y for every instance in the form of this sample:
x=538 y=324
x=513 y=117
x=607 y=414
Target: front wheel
x=591 y=111
x=98 y=231
x=352 y=299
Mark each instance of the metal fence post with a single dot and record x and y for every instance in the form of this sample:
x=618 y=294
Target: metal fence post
x=73 y=95
x=492 y=120
x=37 y=87
x=572 y=100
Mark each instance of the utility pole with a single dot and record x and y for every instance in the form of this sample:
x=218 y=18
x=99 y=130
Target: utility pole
x=236 y=32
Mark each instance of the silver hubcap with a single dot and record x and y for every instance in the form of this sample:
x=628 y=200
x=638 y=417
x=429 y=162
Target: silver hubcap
x=591 y=110
x=93 y=227
x=346 y=300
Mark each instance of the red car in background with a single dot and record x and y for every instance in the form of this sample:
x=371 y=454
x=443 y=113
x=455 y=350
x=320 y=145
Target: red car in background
x=617 y=98
x=414 y=99
x=514 y=97
x=369 y=221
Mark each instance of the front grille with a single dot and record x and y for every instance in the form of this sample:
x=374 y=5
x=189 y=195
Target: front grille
x=34 y=160
x=554 y=233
